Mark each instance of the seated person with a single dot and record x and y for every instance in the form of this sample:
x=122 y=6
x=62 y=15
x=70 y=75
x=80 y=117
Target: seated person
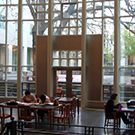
x=44 y=99
x=29 y=97
x=110 y=109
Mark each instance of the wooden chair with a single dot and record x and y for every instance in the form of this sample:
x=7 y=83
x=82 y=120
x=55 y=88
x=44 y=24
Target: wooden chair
x=63 y=116
x=25 y=113
x=3 y=116
x=108 y=120
x=58 y=95
x=71 y=95
x=73 y=108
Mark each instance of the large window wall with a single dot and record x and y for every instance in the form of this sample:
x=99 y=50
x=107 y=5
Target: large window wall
x=67 y=16
x=127 y=45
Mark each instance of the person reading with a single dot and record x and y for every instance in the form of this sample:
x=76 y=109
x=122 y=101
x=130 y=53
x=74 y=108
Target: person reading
x=29 y=97
x=110 y=108
x=44 y=99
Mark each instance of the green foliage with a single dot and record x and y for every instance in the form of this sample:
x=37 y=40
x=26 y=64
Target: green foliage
x=128 y=40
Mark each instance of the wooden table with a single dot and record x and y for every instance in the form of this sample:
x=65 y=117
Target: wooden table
x=49 y=107
x=125 y=110
x=68 y=100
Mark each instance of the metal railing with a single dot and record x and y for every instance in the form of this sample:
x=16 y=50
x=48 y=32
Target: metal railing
x=87 y=130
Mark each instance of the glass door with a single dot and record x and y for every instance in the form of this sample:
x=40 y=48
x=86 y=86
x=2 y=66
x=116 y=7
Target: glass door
x=61 y=77
x=76 y=83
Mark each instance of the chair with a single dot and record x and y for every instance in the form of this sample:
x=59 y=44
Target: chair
x=58 y=95
x=108 y=120
x=71 y=95
x=65 y=114
x=3 y=116
x=73 y=108
x=25 y=113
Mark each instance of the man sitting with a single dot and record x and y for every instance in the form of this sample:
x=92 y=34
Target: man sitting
x=29 y=97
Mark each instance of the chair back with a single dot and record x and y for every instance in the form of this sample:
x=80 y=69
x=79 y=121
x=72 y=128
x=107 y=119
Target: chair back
x=58 y=95
x=67 y=110
x=71 y=95
x=105 y=110
x=24 y=112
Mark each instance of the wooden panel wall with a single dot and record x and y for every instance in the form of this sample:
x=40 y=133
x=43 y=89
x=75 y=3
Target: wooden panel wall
x=67 y=43
x=94 y=69
x=41 y=65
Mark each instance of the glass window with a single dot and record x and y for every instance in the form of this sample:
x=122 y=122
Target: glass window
x=2 y=89
x=68 y=10
x=108 y=76
x=108 y=42
x=56 y=54
x=12 y=13
x=12 y=89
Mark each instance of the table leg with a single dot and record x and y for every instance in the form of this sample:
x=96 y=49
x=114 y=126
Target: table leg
x=78 y=105
x=114 y=120
x=50 y=118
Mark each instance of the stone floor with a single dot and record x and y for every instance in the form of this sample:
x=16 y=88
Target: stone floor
x=86 y=117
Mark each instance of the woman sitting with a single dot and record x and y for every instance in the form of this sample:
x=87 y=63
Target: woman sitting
x=44 y=99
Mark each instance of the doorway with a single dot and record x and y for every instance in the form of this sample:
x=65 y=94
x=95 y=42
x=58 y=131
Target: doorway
x=68 y=81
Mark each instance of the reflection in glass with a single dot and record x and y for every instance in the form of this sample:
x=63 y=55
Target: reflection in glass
x=11 y=89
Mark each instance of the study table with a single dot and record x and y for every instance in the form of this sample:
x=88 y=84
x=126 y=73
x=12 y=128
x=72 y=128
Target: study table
x=68 y=100
x=124 y=110
x=35 y=106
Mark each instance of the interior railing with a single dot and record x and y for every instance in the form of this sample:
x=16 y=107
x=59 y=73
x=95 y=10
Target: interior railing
x=13 y=128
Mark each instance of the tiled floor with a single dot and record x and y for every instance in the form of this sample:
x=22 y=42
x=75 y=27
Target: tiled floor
x=89 y=117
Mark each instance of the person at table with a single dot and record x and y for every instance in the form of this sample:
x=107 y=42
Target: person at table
x=44 y=99
x=29 y=97
x=110 y=108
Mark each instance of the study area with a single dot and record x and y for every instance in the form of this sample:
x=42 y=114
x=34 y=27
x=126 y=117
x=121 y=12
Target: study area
x=79 y=47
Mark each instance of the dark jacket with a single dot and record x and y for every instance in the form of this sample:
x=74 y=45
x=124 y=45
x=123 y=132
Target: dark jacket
x=110 y=106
